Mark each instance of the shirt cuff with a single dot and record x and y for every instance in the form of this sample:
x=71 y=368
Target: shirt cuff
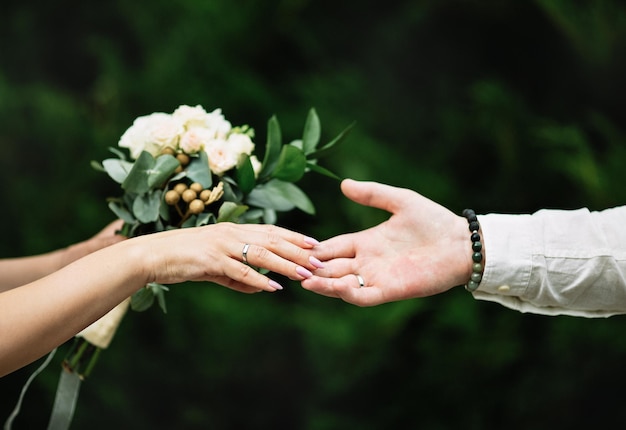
x=508 y=260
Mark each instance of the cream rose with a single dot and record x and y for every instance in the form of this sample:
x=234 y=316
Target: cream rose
x=218 y=124
x=191 y=116
x=152 y=133
x=221 y=157
x=240 y=143
x=195 y=140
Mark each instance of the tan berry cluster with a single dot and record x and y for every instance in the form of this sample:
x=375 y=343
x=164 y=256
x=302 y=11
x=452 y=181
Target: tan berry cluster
x=193 y=198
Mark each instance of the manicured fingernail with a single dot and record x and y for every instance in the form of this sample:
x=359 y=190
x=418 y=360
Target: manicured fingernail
x=275 y=284
x=314 y=261
x=311 y=241
x=303 y=272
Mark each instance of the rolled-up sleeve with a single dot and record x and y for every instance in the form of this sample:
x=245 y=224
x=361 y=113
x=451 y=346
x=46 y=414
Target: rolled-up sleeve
x=556 y=262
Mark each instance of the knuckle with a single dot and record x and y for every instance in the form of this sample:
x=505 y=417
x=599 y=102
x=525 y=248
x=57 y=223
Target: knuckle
x=273 y=236
x=261 y=253
x=245 y=272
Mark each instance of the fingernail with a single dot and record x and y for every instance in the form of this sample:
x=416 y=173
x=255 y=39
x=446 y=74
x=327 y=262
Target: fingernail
x=303 y=272
x=275 y=284
x=314 y=261
x=311 y=241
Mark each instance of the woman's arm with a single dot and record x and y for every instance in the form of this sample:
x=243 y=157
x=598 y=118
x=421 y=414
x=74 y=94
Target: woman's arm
x=20 y=271
x=38 y=316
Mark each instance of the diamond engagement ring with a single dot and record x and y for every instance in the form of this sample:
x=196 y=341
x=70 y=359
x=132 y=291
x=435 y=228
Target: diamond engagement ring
x=244 y=253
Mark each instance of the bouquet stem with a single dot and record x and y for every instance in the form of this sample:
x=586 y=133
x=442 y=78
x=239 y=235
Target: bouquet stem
x=81 y=358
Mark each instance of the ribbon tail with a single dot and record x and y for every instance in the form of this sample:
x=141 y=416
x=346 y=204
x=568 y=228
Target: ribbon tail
x=9 y=422
x=65 y=401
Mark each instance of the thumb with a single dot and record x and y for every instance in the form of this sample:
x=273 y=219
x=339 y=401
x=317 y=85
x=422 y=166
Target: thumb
x=375 y=194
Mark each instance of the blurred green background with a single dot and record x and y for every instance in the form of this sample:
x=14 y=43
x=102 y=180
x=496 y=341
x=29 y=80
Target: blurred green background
x=502 y=106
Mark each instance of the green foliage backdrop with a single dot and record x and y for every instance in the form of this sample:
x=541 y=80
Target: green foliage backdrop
x=503 y=106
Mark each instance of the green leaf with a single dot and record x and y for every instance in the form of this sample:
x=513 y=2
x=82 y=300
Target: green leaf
x=121 y=212
x=245 y=175
x=117 y=169
x=163 y=168
x=159 y=291
x=272 y=148
x=146 y=206
x=271 y=195
x=332 y=145
x=300 y=199
x=96 y=165
x=312 y=132
x=322 y=170
x=121 y=155
x=137 y=179
x=142 y=300
x=190 y=222
x=198 y=170
x=205 y=218
x=148 y=173
x=291 y=164
x=229 y=212
x=280 y=196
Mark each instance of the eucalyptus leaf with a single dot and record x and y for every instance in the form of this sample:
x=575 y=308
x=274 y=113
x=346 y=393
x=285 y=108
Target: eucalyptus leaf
x=230 y=212
x=271 y=195
x=198 y=170
x=311 y=133
x=142 y=300
x=163 y=168
x=252 y=216
x=332 y=145
x=159 y=292
x=137 y=179
x=117 y=169
x=96 y=165
x=270 y=216
x=272 y=148
x=146 y=206
x=164 y=211
x=245 y=175
x=205 y=218
x=190 y=222
x=291 y=164
x=121 y=212
x=300 y=199
x=231 y=193
x=120 y=154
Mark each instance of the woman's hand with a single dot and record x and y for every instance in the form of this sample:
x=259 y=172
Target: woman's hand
x=215 y=253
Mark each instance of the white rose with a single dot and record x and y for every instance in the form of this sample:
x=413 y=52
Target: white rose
x=191 y=116
x=240 y=143
x=217 y=123
x=195 y=140
x=221 y=157
x=152 y=133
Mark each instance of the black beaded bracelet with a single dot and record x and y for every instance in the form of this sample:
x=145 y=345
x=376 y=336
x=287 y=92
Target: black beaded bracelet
x=477 y=247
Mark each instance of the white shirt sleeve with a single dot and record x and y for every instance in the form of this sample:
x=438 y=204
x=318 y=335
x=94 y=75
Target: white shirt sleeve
x=556 y=262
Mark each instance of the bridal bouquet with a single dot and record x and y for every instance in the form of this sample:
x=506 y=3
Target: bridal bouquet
x=191 y=168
